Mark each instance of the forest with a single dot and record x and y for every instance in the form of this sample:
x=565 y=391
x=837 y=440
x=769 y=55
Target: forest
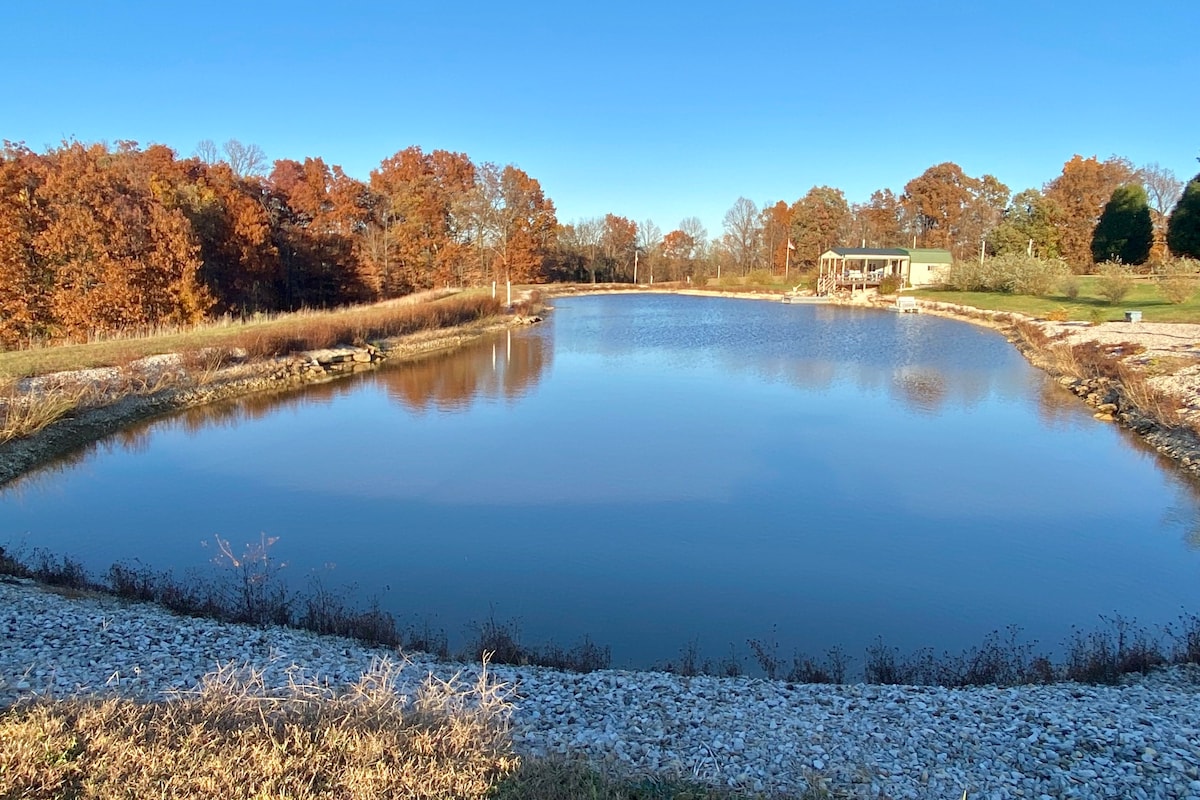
x=98 y=239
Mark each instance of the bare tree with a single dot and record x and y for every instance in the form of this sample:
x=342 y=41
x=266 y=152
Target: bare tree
x=245 y=159
x=207 y=152
x=590 y=232
x=742 y=233
x=698 y=233
x=1162 y=187
x=649 y=242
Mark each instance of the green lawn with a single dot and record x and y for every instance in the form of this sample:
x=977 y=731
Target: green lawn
x=1089 y=306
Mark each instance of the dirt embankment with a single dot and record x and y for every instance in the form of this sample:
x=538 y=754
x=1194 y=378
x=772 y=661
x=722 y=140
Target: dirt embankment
x=115 y=407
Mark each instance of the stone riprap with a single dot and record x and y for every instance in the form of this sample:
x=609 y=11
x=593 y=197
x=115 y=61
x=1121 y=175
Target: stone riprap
x=1138 y=740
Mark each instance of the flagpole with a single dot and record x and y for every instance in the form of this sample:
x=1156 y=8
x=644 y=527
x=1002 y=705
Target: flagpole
x=787 y=259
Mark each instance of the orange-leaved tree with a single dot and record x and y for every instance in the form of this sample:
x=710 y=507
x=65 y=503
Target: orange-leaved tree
x=1076 y=199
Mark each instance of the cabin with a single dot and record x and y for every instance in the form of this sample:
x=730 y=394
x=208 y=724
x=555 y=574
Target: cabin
x=866 y=267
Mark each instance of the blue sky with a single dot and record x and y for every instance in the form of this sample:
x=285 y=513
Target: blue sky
x=643 y=109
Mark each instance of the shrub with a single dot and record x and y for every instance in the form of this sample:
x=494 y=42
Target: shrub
x=1105 y=655
x=1070 y=286
x=1058 y=315
x=831 y=670
x=1178 y=279
x=890 y=284
x=760 y=277
x=1017 y=274
x=1114 y=281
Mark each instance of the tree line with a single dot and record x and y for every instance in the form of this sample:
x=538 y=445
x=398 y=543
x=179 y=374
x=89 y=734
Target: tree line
x=1093 y=212
x=96 y=239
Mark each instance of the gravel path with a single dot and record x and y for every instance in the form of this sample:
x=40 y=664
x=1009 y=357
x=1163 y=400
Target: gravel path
x=1140 y=740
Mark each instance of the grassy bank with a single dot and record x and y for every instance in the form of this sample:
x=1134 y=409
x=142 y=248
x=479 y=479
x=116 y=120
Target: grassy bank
x=200 y=355
x=261 y=336
x=1089 y=305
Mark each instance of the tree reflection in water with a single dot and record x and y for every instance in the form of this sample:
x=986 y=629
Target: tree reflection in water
x=505 y=367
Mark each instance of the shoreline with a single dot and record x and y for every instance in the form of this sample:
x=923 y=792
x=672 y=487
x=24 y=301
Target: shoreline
x=1140 y=738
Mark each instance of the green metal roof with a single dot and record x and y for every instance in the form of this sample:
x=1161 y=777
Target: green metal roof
x=872 y=252
x=929 y=255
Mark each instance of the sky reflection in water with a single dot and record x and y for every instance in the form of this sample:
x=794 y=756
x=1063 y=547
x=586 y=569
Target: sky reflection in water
x=651 y=470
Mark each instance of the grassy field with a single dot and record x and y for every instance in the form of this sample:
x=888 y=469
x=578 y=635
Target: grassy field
x=261 y=336
x=1088 y=306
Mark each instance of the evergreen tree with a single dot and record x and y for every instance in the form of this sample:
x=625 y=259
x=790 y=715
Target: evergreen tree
x=1183 y=226
x=1125 y=231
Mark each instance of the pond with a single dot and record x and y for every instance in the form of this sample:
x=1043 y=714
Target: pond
x=658 y=470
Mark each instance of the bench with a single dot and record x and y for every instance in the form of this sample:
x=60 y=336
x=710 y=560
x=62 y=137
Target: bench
x=907 y=304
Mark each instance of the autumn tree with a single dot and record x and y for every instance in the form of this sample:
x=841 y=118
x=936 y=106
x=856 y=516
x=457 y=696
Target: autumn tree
x=1077 y=197
x=952 y=210
x=677 y=250
x=317 y=212
x=240 y=262
x=1124 y=232
x=419 y=228
x=820 y=220
x=776 y=226
x=25 y=282
x=1183 y=226
x=880 y=222
x=617 y=241
x=116 y=256
x=525 y=226
x=743 y=234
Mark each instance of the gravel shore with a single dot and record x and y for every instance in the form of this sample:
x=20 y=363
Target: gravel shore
x=1139 y=740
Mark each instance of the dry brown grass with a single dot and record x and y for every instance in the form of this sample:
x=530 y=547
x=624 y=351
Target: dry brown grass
x=25 y=413
x=366 y=323
x=409 y=314
x=237 y=738
x=1148 y=398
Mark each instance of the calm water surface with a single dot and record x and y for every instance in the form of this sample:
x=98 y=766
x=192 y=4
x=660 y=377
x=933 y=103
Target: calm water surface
x=652 y=470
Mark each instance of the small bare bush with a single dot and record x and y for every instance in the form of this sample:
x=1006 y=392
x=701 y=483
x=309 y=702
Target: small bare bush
x=1178 y=279
x=1069 y=286
x=1114 y=281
